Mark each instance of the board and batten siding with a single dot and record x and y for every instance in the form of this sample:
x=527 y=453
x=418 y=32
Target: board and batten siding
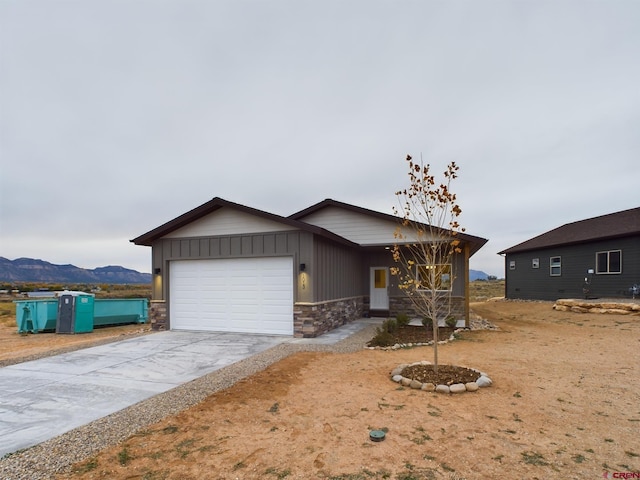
x=336 y=271
x=529 y=283
x=297 y=244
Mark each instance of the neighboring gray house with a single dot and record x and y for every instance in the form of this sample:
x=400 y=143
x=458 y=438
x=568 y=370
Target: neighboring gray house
x=226 y=267
x=597 y=257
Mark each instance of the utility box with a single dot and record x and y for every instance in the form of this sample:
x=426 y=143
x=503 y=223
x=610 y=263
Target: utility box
x=75 y=312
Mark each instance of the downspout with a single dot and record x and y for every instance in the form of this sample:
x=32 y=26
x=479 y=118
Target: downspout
x=466 y=286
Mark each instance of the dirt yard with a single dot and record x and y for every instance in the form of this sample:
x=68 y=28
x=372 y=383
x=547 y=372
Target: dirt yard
x=15 y=347
x=565 y=403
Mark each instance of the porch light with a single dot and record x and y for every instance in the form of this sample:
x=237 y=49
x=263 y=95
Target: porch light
x=303 y=267
x=157 y=271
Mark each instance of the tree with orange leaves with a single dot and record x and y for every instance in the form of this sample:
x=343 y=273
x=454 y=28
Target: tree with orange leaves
x=426 y=244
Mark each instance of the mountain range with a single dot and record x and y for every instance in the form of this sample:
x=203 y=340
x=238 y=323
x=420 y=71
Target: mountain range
x=477 y=275
x=32 y=270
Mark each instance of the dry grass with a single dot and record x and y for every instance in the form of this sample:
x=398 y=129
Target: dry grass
x=7 y=313
x=481 y=290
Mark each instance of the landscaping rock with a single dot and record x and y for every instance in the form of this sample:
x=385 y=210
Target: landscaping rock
x=484 y=381
x=415 y=384
x=405 y=381
x=443 y=389
x=397 y=378
x=428 y=387
x=457 y=388
x=471 y=386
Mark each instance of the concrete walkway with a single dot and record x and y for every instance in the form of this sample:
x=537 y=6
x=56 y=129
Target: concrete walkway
x=45 y=398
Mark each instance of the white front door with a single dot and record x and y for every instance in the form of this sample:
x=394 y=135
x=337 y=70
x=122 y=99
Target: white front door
x=379 y=292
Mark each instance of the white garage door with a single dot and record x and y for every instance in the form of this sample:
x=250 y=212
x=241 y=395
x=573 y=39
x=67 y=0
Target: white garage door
x=253 y=295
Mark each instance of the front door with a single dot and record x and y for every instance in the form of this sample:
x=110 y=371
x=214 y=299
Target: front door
x=379 y=291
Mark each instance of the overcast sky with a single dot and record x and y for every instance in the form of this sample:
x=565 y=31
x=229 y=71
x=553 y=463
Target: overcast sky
x=117 y=116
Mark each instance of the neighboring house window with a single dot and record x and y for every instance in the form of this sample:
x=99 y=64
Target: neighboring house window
x=609 y=262
x=555 y=266
x=535 y=263
x=512 y=265
x=439 y=275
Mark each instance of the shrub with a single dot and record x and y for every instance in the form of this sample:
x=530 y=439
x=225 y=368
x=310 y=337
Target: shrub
x=382 y=339
x=384 y=334
x=402 y=319
x=389 y=325
x=427 y=322
x=451 y=322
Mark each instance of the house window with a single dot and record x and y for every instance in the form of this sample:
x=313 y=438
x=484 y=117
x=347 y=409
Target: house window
x=555 y=266
x=535 y=263
x=380 y=278
x=609 y=262
x=512 y=265
x=434 y=277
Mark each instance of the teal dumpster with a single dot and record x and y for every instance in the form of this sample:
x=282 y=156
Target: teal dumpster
x=75 y=312
x=119 y=311
x=36 y=315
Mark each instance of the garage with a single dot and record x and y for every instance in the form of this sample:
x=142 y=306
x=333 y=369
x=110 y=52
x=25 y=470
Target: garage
x=251 y=295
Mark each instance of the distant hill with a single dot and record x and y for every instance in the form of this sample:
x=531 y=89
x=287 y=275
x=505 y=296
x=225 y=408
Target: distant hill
x=477 y=275
x=31 y=270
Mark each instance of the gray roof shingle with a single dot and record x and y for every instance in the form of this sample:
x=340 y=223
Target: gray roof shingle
x=619 y=224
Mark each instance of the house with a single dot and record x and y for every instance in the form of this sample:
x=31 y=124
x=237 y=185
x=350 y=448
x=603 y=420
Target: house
x=227 y=267
x=597 y=257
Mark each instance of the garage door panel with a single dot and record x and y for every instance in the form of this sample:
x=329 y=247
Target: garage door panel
x=238 y=295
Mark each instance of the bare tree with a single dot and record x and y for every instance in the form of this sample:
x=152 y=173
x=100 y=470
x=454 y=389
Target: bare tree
x=426 y=244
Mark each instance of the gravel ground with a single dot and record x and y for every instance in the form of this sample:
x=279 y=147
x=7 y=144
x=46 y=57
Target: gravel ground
x=57 y=455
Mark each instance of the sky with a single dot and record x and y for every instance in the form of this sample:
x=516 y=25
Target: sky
x=117 y=116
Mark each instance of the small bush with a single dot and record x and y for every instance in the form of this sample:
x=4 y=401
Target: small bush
x=427 y=322
x=402 y=319
x=389 y=326
x=382 y=339
x=451 y=322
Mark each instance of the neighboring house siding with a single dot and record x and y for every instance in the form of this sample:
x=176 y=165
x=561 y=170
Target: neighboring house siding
x=336 y=271
x=526 y=282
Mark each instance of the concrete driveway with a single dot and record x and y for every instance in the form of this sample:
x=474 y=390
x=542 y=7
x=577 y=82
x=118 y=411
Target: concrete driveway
x=44 y=398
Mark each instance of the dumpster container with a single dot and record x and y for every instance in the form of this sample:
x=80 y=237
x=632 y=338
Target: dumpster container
x=75 y=312
x=119 y=311
x=36 y=315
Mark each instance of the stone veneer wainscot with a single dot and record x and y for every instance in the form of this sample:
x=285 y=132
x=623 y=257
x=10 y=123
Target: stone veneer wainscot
x=313 y=319
x=158 y=314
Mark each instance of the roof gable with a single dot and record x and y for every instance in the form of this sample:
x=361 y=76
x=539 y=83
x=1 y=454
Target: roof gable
x=198 y=222
x=363 y=226
x=619 y=224
x=228 y=221
x=340 y=222
x=362 y=229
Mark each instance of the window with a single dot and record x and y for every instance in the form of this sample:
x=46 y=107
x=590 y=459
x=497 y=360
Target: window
x=434 y=277
x=609 y=262
x=535 y=263
x=512 y=265
x=555 y=266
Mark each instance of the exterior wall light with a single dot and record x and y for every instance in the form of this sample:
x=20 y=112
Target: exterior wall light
x=157 y=271
x=303 y=267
